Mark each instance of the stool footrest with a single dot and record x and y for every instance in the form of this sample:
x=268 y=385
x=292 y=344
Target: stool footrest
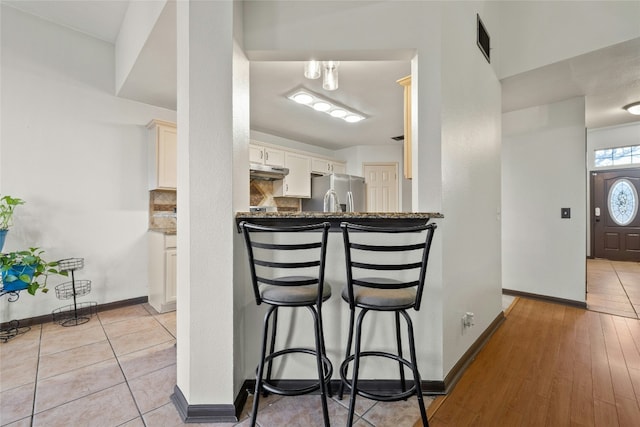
x=390 y=397
x=272 y=388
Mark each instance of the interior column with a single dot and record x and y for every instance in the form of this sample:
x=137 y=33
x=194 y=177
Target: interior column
x=205 y=389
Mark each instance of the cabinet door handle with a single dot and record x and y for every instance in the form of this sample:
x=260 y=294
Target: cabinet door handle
x=261 y=154
x=286 y=187
x=266 y=155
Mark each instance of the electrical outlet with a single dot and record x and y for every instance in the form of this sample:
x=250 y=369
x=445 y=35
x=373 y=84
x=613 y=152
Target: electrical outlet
x=468 y=319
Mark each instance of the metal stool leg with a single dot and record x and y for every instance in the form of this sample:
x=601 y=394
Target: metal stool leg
x=348 y=351
x=272 y=347
x=416 y=374
x=356 y=367
x=256 y=394
x=320 y=365
x=324 y=349
x=403 y=383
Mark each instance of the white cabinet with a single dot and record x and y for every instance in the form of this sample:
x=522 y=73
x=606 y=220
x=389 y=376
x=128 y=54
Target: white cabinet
x=338 y=167
x=325 y=167
x=162 y=155
x=298 y=182
x=162 y=271
x=266 y=155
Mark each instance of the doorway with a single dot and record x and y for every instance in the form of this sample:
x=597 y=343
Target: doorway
x=381 y=180
x=615 y=222
x=613 y=276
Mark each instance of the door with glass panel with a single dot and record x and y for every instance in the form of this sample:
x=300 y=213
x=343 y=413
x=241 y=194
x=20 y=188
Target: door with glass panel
x=615 y=220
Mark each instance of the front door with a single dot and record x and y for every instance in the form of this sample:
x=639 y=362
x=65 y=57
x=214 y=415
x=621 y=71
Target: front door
x=615 y=220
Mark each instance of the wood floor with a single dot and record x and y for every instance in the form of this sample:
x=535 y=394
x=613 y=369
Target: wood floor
x=550 y=365
x=613 y=287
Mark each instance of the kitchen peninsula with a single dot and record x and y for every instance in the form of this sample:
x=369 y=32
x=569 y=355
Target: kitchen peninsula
x=335 y=311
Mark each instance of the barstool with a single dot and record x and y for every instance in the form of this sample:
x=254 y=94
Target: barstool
x=386 y=268
x=287 y=270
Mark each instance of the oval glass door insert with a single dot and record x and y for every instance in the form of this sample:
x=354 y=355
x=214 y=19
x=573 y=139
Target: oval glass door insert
x=623 y=202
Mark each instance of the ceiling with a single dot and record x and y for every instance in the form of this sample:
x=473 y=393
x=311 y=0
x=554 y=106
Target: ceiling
x=608 y=78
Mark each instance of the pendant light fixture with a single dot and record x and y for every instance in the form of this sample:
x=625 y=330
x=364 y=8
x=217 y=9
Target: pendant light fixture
x=330 y=78
x=328 y=69
x=312 y=69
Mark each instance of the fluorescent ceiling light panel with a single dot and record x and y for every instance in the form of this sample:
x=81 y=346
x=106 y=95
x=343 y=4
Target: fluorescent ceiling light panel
x=323 y=105
x=302 y=98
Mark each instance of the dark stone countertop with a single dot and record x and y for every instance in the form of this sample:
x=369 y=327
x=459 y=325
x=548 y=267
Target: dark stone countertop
x=335 y=218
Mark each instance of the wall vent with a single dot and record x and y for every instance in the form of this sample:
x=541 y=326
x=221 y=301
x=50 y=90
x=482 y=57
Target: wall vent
x=483 y=40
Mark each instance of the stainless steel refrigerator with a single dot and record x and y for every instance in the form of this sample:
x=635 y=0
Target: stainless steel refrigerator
x=343 y=185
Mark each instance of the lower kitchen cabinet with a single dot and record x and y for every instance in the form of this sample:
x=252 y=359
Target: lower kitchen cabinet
x=162 y=271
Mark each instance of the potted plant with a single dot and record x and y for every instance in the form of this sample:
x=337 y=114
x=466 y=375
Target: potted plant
x=7 y=205
x=26 y=270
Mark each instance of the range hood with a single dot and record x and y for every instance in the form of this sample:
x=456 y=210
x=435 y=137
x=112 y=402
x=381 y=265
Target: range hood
x=266 y=172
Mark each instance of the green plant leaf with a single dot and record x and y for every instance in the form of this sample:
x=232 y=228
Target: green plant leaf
x=32 y=288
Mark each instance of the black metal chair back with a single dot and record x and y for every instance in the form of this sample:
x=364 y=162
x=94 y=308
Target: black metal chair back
x=405 y=258
x=275 y=260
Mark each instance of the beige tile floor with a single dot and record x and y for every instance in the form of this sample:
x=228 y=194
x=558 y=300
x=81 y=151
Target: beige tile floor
x=119 y=369
x=613 y=287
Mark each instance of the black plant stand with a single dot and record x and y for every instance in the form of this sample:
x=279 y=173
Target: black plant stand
x=13 y=327
x=78 y=312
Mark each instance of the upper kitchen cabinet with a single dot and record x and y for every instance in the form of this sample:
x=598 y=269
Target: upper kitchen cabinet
x=405 y=82
x=266 y=155
x=325 y=167
x=162 y=155
x=298 y=182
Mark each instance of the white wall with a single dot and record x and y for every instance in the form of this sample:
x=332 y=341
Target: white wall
x=543 y=170
x=77 y=155
x=598 y=139
x=138 y=22
x=537 y=33
x=471 y=143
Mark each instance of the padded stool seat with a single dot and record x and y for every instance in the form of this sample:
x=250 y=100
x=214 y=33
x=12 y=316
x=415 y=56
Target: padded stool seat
x=381 y=299
x=304 y=294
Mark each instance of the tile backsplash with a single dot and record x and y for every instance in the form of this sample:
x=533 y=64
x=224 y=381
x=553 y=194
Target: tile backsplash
x=261 y=194
x=162 y=209
x=163 y=203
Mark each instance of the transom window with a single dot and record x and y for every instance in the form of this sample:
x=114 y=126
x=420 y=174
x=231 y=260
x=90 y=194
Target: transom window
x=618 y=156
